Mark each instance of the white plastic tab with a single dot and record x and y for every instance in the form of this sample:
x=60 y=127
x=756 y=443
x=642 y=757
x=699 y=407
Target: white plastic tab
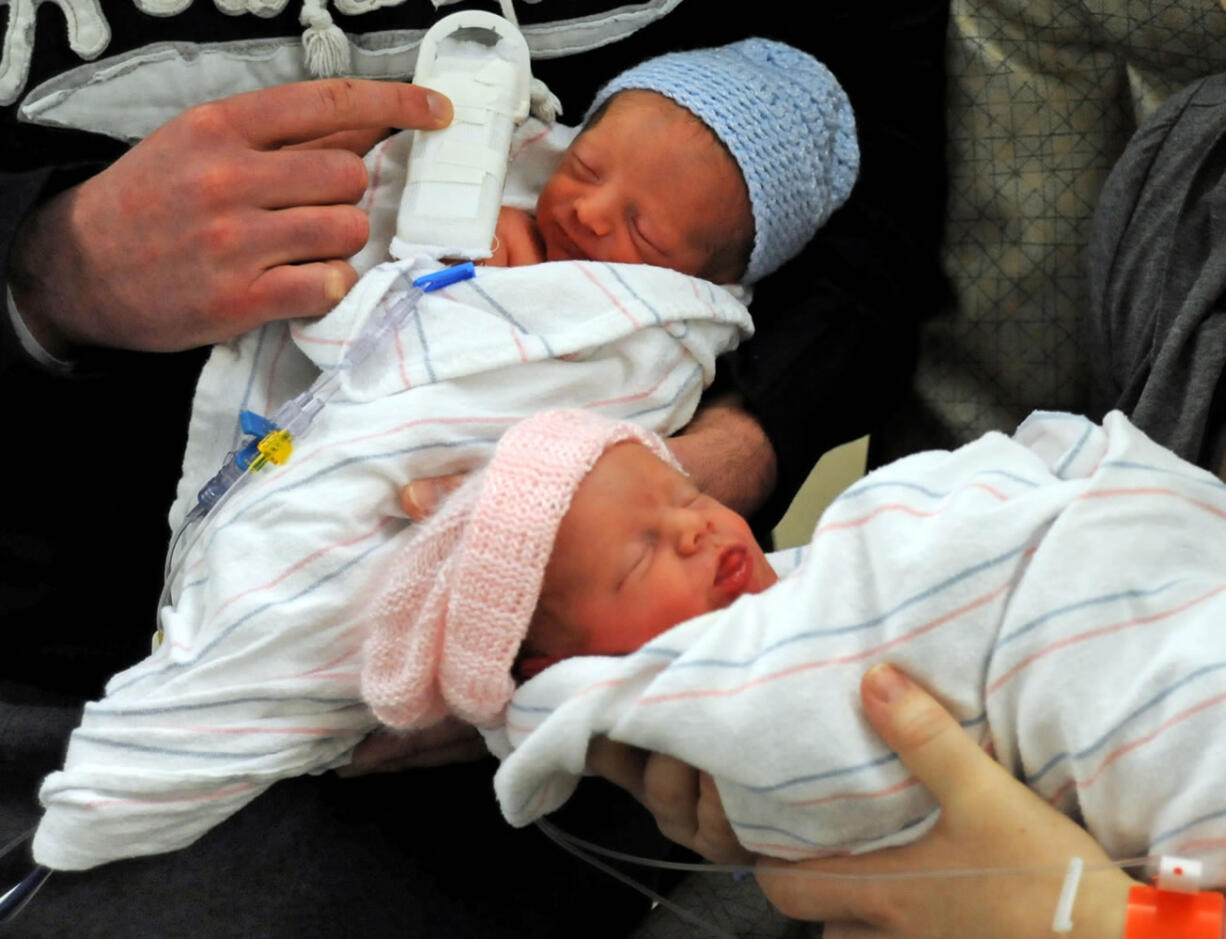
x=1063 y=920
x=455 y=175
x=1179 y=874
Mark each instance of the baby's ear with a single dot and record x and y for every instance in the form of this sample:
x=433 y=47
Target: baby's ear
x=551 y=638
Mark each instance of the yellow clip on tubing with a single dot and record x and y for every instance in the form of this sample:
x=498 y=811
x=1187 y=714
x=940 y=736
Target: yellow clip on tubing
x=277 y=446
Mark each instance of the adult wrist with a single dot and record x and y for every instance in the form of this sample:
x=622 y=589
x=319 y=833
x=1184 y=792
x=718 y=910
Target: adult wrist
x=29 y=343
x=35 y=287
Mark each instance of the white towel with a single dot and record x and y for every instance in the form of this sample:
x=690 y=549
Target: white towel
x=1063 y=592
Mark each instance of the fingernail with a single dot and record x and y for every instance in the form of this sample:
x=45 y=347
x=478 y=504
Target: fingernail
x=885 y=683
x=424 y=497
x=335 y=287
x=440 y=108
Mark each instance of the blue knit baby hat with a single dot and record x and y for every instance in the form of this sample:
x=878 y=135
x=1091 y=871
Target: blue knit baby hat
x=785 y=119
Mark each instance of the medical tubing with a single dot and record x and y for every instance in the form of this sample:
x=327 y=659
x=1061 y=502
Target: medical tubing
x=12 y=902
x=172 y=572
x=938 y=873
x=294 y=417
x=567 y=843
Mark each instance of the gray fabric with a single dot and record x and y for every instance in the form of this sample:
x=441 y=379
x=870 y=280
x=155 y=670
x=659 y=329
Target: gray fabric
x=1043 y=96
x=1157 y=325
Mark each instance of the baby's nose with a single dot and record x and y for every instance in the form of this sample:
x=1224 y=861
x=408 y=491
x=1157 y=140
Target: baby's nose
x=691 y=531
x=592 y=214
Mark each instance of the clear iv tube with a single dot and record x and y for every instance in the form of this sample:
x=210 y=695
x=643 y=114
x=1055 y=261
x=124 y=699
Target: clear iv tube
x=704 y=867
x=296 y=415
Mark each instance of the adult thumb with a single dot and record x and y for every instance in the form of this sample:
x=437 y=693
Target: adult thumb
x=926 y=737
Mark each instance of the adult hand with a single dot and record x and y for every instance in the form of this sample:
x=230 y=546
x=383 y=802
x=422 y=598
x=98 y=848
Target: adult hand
x=727 y=454
x=685 y=802
x=236 y=212
x=988 y=819
x=390 y=751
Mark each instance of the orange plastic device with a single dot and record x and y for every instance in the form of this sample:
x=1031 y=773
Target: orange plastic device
x=1169 y=914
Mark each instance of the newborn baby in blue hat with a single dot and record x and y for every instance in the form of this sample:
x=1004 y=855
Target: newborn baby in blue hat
x=719 y=163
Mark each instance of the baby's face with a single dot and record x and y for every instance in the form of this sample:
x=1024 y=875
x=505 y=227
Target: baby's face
x=639 y=551
x=648 y=184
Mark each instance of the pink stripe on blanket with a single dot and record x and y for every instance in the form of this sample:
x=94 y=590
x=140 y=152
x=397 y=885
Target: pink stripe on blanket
x=646 y=393
x=1136 y=745
x=892 y=507
x=203 y=797
x=1155 y=491
x=1100 y=631
x=876 y=794
x=300 y=336
x=298 y=565
x=293 y=731
x=802 y=667
x=605 y=290
x=404 y=375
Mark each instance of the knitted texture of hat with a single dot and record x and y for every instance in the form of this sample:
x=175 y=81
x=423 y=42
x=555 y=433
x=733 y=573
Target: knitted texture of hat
x=458 y=598
x=785 y=119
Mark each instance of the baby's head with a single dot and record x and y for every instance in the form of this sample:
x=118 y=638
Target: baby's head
x=580 y=537
x=716 y=162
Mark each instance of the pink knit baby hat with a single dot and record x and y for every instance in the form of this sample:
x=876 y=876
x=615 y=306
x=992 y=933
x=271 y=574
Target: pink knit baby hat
x=459 y=596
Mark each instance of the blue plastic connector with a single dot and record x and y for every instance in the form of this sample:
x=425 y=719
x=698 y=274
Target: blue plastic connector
x=448 y=275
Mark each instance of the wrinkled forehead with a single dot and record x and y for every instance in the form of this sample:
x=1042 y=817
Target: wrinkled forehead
x=621 y=494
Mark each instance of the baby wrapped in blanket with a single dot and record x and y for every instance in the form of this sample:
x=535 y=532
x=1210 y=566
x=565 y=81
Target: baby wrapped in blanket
x=1063 y=591
x=256 y=678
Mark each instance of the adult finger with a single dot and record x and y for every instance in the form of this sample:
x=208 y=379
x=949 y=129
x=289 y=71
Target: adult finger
x=386 y=750
x=355 y=141
x=302 y=111
x=307 y=233
x=670 y=793
x=715 y=840
x=282 y=178
x=819 y=890
x=619 y=763
x=290 y=290
x=930 y=743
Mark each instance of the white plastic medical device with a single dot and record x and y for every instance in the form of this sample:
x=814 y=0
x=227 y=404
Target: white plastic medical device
x=455 y=175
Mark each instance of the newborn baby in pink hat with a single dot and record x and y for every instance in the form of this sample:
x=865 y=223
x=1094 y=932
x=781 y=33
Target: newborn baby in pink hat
x=1060 y=589
x=582 y=536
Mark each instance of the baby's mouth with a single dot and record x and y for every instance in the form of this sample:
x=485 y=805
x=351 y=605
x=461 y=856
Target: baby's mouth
x=733 y=572
x=564 y=244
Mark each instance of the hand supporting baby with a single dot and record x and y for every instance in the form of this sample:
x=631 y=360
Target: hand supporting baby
x=390 y=751
x=988 y=820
